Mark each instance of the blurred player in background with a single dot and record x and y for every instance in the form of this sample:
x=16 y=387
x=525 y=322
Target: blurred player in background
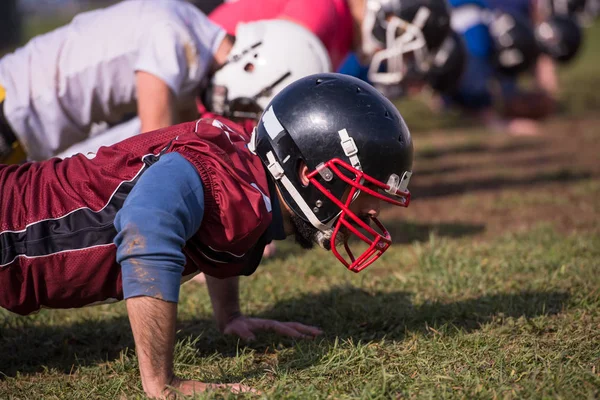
x=395 y=40
x=541 y=101
x=485 y=66
x=397 y=46
x=423 y=48
x=559 y=34
x=137 y=56
x=336 y=22
x=150 y=58
x=503 y=43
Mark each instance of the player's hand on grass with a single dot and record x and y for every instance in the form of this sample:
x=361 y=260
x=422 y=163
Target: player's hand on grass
x=246 y=328
x=181 y=387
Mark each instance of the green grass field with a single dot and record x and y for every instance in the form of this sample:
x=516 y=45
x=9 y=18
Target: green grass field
x=492 y=290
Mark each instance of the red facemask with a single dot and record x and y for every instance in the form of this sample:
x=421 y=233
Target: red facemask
x=378 y=241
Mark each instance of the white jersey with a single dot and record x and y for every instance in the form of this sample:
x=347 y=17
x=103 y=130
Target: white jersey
x=62 y=83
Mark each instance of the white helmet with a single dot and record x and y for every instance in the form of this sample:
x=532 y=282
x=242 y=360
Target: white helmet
x=266 y=57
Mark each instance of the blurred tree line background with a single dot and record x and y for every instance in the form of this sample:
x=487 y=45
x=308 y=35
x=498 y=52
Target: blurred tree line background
x=11 y=26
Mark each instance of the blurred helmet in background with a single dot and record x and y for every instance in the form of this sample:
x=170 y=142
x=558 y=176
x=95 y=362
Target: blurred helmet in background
x=514 y=43
x=560 y=37
x=591 y=12
x=448 y=64
x=398 y=36
x=563 y=7
x=266 y=57
x=353 y=140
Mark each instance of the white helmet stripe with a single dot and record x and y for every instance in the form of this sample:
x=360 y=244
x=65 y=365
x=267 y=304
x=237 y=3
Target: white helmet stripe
x=271 y=123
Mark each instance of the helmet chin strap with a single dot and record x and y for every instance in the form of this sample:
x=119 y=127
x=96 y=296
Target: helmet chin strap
x=277 y=172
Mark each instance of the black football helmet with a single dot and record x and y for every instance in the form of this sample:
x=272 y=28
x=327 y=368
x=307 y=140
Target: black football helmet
x=448 y=64
x=397 y=31
x=513 y=39
x=353 y=140
x=560 y=37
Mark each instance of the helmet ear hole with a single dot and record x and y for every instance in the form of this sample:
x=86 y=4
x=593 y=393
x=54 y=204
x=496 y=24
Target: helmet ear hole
x=249 y=67
x=302 y=173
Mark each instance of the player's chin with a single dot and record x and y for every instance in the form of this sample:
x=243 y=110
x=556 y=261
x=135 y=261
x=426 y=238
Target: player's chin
x=323 y=239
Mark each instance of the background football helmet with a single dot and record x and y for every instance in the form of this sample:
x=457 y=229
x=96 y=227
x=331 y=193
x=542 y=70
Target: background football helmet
x=560 y=37
x=513 y=39
x=448 y=64
x=583 y=11
x=590 y=13
x=398 y=32
x=563 y=7
x=266 y=56
x=353 y=140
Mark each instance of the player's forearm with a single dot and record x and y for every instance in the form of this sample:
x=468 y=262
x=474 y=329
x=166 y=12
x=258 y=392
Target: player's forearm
x=156 y=102
x=546 y=77
x=153 y=325
x=161 y=119
x=225 y=299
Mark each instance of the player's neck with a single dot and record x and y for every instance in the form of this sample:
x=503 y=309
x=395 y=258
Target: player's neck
x=286 y=215
x=357 y=10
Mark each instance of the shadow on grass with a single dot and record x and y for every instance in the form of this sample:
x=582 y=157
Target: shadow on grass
x=28 y=347
x=452 y=188
x=478 y=147
x=354 y=313
x=410 y=232
x=531 y=163
x=401 y=231
x=341 y=312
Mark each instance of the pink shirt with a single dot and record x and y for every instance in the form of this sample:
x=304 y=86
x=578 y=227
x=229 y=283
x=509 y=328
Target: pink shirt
x=330 y=20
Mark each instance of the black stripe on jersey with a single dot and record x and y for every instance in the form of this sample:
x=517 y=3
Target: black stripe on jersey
x=78 y=230
x=250 y=259
x=222 y=257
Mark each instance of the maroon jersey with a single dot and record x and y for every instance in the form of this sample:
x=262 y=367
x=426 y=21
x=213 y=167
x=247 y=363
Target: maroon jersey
x=56 y=221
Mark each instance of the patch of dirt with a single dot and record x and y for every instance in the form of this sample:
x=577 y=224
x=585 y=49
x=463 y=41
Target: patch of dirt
x=471 y=182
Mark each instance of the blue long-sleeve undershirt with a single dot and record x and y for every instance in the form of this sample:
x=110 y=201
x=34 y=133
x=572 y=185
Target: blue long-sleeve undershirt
x=352 y=66
x=163 y=210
